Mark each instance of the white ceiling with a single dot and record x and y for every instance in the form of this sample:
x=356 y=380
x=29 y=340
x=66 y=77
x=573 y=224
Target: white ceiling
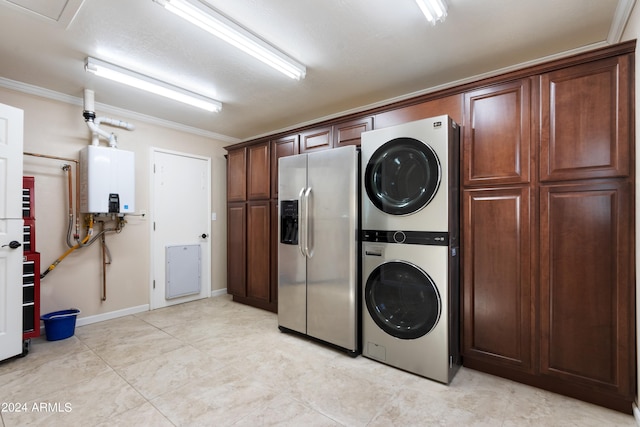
x=358 y=53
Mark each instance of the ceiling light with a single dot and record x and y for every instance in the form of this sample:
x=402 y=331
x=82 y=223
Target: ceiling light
x=434 y=10
x=140 y=81
x=222 y=27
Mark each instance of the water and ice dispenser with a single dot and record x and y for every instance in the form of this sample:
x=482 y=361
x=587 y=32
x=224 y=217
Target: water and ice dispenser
x=289 y=222
x=107 y=180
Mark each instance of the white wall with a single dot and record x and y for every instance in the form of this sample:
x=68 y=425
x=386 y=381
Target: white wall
x=632 y=31
x=58 y=129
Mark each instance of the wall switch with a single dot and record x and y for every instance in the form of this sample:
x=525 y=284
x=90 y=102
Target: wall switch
x=213 y=216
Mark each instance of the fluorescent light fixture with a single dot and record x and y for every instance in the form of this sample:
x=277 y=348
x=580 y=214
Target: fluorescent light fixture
x=222 y=27
x=434 y=10
x=140 y=81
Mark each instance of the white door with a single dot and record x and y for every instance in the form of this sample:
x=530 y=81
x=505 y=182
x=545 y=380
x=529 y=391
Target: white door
x=11 y=133
x=180 y=218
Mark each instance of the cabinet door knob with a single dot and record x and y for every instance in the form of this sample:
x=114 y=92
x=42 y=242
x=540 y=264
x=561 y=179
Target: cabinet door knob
x=14 y=244
x=204 y=235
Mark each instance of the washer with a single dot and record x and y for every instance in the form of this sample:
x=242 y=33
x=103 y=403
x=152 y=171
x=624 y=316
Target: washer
x=410 y=303
x=410 y=176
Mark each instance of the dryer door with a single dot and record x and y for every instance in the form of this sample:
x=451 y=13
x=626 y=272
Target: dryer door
x=402 y=299
x=402 y=176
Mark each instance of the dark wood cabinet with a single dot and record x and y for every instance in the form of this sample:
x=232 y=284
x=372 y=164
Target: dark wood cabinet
x=586 y=285
x=249 y=228
x=586 y=121
x=237 y=175
x=349 y=133
x=497 y=293
x=451 y=105
x=281 y=147
x=548 y=268
x=258 y=248
x=258 y=172
x=275 y=239
x=237 y=249
x=316 y=139
x=497 y=138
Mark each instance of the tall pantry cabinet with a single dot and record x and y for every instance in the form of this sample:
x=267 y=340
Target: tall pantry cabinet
x=252 y=229
x=547 y=226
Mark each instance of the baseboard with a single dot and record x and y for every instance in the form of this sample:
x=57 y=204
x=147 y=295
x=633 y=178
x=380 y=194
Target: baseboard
x=218 y=292
x=82 y=321
x=636 y=413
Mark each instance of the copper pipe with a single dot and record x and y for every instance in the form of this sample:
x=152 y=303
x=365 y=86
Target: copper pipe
x=104 y=266
x=47 y=156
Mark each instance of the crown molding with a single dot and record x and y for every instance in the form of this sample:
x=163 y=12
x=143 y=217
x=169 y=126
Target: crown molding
x=74 y=100
x=620 y=18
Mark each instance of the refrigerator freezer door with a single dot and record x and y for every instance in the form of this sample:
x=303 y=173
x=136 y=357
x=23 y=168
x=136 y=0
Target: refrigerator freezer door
x=292 y=291
x=332 y=246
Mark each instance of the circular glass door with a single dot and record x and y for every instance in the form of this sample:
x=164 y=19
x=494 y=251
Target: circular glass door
x=402 y=299
x=402 y=176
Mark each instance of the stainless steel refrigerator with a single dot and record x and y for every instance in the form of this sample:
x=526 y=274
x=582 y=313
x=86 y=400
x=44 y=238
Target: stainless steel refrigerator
x=318 y=250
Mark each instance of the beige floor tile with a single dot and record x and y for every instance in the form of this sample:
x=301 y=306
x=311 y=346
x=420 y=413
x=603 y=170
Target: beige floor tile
x=216 y=362
x=284 y=411
x=168 y=371
x=135 y=348
x=86 y=403
x=143 y=415
x=46 y=378
x=220 y=399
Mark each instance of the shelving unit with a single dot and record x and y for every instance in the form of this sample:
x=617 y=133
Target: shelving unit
x=31 y=265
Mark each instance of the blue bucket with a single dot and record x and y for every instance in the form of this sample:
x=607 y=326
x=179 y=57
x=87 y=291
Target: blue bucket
x=60 y=324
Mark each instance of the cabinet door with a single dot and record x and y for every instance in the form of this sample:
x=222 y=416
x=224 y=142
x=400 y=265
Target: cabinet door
x=258 y=245
x=237 y=175
x=316 y=139
x=283 y=147
x=451 y=105
x=349 y=133
x=497 y=254
x=497 y=137
x=275 y=239
x=237 y=249
x=258 y=176
x=586 y=286
x=586 y=121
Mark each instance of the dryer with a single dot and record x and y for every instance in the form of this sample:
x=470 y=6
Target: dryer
x=410 y=266
x=410 y=176
x=411 y=303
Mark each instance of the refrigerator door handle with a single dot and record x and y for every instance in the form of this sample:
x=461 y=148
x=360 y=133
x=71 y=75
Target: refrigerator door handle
x=307 y=222
x=303 y=223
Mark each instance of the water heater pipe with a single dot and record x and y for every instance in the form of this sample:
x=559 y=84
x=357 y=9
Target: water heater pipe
x=94 y=122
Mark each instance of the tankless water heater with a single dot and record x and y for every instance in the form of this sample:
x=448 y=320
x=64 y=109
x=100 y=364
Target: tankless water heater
x=107 y=180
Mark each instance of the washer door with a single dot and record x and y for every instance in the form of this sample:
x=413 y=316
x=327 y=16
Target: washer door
x=402 y=299
x=402 y=176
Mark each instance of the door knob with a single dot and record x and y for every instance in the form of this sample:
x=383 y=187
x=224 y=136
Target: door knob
x=204 y=235
x=14 y=244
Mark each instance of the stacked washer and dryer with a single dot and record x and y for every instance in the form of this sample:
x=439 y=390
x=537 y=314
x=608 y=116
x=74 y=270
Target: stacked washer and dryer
x=410 y=247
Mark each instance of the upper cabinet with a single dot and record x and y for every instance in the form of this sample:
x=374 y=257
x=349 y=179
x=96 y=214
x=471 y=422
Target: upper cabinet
x=451 y=105
x=316 y=139
x=586 y=121
x=237 y=175
x=259 y=165
x=282 y=147
x=350 y=133
x=497 y=138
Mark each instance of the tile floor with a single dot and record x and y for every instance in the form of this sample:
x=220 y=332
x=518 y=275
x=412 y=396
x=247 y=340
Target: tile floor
x=217 y=363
